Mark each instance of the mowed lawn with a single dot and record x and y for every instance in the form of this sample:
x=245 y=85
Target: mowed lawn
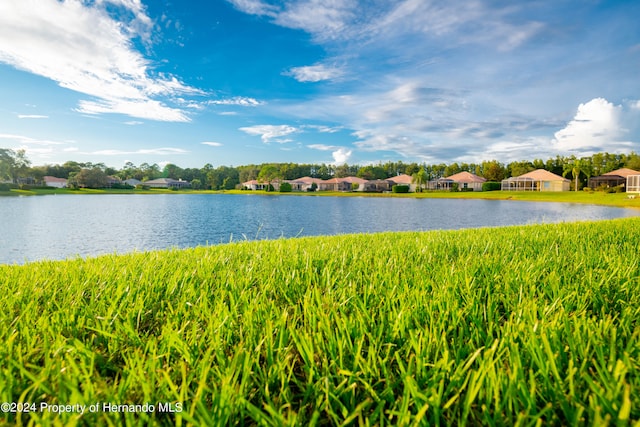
x=498 y=326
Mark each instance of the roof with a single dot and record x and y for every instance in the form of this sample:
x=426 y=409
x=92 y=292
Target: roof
x=466 y=177
x=402 y=179
x=53 y=179
x=306 y=180
x=352 y=180
x=539 y=175
x=624 y=172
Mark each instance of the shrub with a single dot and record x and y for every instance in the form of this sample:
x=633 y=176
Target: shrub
x=454 y=187
x=142 y=187
x=491 y=186
x=285 y=187
x=5 y=187
x=400 y=189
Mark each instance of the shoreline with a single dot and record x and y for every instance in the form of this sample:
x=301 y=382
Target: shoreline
x=583 y=197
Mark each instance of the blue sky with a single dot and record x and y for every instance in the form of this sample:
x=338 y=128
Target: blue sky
x=233 y=82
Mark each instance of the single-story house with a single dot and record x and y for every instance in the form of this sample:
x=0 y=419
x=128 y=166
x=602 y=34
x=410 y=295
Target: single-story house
x=113 y=180
x=440 y=184
x=403 y=179
x=612 y=179
x=633 y=184
x=254 y=185
x=342 y=184
x=378 y=185
x=166 y=183
x=537 y=180
x=304 y=184
x=52 y=181
x=353 y=183
x=467 y=180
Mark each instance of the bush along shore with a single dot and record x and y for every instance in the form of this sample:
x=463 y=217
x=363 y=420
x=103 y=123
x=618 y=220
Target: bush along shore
x=500 y=326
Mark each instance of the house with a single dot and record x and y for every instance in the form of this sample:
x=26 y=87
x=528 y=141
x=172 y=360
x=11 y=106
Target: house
x=353 y=183
x=304 y=184
x=403 y=179
x=467 y=181
x=378 y=185
x=342 y=184
x=537 y=180
x=113 y=180
x=166 y=183
x=52 y=181
x=440 y=184
x=132 y=182
x=612 y=179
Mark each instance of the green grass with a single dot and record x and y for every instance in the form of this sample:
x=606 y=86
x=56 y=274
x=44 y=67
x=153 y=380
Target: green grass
x=520 y=325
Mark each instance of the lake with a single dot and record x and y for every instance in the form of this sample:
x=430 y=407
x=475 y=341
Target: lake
x=64 y=226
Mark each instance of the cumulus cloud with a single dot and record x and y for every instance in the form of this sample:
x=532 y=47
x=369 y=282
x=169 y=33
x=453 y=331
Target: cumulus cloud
x=88 y=47
x=314 y=73
x=597 y=126
x=270 y=133
x=341 y=156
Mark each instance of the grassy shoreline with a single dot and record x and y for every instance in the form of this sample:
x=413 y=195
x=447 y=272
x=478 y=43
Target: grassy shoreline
x=595 y=198
x=498 y=326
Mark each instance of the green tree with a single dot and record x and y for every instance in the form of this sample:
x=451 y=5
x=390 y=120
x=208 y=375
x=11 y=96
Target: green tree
x=573 y=167
x=268 y=174
x=493 y=170
x=419 y=179
x=13 y=164
x=91 y=178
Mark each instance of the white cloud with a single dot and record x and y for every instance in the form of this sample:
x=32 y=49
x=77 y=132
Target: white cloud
x=322 y=147
x=314 y=73
x=254 y=7
x=270 y=133
x=597 y=126
x=157 y=151
x=212 y=144
x=238 y=100
x=32 y=116
x=341 y=156
x=81 y=47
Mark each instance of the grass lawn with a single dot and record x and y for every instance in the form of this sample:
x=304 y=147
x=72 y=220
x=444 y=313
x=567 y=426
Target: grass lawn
x=526 y=325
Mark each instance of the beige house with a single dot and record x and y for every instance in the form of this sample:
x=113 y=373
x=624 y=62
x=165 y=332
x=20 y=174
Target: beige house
x=467 y=181
x=537 y=180
x=403 y=179
x=304 y=184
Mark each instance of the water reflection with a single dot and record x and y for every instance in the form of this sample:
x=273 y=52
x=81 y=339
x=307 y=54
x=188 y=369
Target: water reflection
x=63 y=226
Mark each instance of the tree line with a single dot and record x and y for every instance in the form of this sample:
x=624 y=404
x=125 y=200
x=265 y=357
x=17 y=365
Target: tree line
x=16 y=167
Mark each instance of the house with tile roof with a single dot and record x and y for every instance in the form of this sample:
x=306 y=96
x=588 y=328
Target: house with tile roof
x=403 y=179
x=612 y=179
x=467 y=181
x=537 y=180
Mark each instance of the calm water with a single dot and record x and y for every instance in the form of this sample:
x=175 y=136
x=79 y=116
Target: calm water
x=63 y=226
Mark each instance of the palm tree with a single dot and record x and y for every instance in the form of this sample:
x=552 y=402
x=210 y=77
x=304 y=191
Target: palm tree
x=574 y=167
x=419 y=178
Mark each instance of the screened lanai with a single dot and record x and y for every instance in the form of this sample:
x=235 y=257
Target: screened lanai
x=537 y=180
